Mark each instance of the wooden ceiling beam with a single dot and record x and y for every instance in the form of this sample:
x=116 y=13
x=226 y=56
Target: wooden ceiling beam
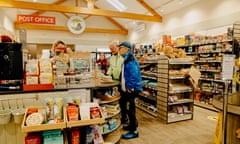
x=114 y=22
x=151 y=10
x=117 y=24
x=79 y=10
x=55 y=3
x=64 y=28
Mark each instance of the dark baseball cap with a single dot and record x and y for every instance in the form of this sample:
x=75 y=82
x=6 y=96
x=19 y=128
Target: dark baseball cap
x=125 y=44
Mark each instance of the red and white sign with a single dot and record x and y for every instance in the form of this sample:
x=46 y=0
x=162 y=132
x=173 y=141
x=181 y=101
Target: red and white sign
x=35 y=19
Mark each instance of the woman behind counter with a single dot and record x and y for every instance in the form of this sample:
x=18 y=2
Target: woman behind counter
x=102 y=63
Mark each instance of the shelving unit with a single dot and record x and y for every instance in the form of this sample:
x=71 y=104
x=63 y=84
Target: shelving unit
x=175 y=95
x=208 y=59
x=111 y=111
x=147 y=99
x=62 y=126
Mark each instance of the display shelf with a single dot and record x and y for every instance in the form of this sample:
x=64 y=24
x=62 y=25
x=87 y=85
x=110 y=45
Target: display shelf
x=181 y=101
x=211 y=91
x=81 y=122
x=204 y=105
x=85 y=122
x=109 y=100
x=179 y=117
x=209 y=70
x=146 y=110
x=112 y=130
x=179 y=87
x=174 y=61
x=149 y=77
x=113 y=115
x=149 y=62
x=180 y=91
x=147 y=101
x=112 y=138
x=148 y=97
x=204 y=43
x=209 y=79
x=107 y=84
x=150 y=86
x=41 y=127
x=208 y=61
x=177 y=77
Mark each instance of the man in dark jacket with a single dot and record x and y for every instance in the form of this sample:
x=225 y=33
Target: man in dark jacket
x=131 y=83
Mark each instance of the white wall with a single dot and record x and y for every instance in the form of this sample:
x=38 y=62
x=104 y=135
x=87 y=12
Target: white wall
x=6 y=24
x=36 y=36
x=201 y=16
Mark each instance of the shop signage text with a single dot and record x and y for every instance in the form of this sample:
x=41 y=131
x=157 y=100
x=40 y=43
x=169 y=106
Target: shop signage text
x=35 y=19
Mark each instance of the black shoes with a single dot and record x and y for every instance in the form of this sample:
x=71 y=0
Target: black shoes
x=130 y=135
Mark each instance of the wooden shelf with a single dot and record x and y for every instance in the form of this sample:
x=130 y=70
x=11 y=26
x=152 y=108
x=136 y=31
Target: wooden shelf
x=181 y=101
x=179 y=88
x=110 y=100
x=110 y=131
x=152 y=98
x=179 y=117
x=204 y=105
x=112 y=138
x=85 y=122
x=147 y=110
x=42 y=127
x=110 y=116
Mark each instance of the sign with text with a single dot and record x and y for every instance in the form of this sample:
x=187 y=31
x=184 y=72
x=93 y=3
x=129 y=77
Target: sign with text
x=228 y=66
x=35 y=19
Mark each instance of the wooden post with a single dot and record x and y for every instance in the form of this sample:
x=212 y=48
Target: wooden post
x=91 y=3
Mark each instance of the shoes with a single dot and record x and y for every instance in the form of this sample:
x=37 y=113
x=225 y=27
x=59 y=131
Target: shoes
x=126 y=127
x=130 y=135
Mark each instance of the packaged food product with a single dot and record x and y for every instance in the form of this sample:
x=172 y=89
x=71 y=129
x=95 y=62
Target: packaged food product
x=58 y=109
x=72 y=112
x=95 y=112
x=49 y=108
x=34 y=119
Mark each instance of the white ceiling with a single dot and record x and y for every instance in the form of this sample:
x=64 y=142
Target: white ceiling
x=163 y=7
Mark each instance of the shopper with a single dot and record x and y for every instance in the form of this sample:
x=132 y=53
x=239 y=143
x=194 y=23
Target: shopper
x=57 y=48
x=114 y=70
x=131 y=83
x=102 y=63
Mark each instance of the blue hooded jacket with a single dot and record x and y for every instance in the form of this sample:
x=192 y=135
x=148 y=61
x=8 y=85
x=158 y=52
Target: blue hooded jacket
x=132 y=72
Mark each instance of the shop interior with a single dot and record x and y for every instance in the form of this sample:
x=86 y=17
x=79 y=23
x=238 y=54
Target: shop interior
x=188 y=51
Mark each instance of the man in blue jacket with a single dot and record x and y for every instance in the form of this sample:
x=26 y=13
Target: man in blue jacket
x=131 y=82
